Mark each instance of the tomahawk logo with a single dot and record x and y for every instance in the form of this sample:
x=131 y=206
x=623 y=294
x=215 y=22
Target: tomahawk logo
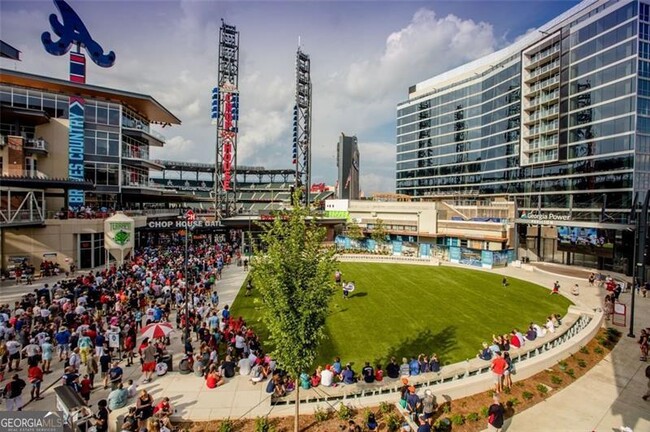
x=73 y=31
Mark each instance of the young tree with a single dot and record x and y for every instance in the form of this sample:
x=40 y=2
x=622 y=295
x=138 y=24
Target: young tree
x=293 y=275
x=379 y=232
x=354 y=231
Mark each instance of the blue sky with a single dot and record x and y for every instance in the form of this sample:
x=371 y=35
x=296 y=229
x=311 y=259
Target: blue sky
x=364 y=54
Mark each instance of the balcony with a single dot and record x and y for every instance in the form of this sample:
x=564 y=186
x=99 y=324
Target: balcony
x=543 y=114
x=139 y=157
x=542 y=55
x=140 y=130
x=36 y=145
x=548 y=83
x=544 y=70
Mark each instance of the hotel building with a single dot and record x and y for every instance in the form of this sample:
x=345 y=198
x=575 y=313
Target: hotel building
x=558 y=122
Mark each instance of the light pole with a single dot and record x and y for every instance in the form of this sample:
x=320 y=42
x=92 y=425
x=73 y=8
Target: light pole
x=189 y=219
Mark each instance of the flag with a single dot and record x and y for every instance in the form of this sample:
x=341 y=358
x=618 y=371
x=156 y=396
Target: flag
x=347 y=183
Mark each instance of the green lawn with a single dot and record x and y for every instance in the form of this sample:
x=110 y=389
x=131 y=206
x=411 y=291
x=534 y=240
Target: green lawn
x=403 y=310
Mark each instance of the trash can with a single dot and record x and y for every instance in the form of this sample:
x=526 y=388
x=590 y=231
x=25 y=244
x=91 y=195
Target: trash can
x=167 y=359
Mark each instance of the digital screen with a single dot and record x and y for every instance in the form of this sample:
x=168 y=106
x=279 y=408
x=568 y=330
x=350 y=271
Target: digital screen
x=591 y=241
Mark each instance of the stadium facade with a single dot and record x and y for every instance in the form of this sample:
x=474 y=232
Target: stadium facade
x=559 y=122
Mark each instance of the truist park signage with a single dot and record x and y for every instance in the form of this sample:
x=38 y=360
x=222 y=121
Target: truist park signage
x=72 y=31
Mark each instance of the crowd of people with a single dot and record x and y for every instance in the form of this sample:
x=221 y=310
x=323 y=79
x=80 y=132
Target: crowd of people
x=90 y=323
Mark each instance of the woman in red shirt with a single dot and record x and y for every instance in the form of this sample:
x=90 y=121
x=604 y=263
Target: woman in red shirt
x=35 y=376
x=213 y=379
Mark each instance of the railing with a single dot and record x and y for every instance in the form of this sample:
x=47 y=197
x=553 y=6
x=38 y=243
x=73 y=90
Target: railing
x=135 y=152
x=544 y=128
x=154 y=212
x=450 y=373
x=545 y=98
x=134 y=124
x=541 y=144
x=536 y=72
x=36 y=144
x=544 y=113
x=544 y=54
x=545 y=83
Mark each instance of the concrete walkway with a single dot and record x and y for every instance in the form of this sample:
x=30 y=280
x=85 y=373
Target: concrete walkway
x=609 y=395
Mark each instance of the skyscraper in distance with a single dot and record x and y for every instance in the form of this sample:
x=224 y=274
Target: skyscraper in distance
x=347 y=161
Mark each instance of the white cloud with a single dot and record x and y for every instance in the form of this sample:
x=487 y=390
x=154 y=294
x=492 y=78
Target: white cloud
x=170 y=53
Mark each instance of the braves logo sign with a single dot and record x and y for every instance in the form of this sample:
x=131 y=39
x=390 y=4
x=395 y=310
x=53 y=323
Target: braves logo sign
x=73 y=31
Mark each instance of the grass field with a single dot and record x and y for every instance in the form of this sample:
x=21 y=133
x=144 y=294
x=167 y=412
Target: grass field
x=404 y=310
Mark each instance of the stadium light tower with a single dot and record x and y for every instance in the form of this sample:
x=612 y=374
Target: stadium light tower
x=301 y=150
x=225 y=115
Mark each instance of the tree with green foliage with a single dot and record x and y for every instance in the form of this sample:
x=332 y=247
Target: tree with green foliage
x=354 y=231
x=293 y=274
x=379 y=232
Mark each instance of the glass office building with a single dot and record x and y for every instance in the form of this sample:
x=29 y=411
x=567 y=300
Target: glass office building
x=558 y=122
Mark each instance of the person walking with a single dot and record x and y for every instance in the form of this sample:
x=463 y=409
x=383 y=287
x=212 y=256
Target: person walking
x=35 y=376
x=14 y=393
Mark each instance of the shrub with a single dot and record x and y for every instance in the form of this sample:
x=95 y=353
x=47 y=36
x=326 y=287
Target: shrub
x=584 y=350
x=393 y=422
x=563 y=365
x=542 y=389
x=571 y=373
x=446 y=408
x=484 y=411
x=556 y=380
x=321 y=414
x=513 y=402
x=458 y=419
x=613 y=332
x=385 y=407
x=507 y=390
x=519 y=384
x=261 y=424
x=344 y=412
x=442 y=425
x=226 y=426
x=366 y=415
x=473 y=417
x=599 y=350
x=527 y=395
x=605 y=343
x=582 y=363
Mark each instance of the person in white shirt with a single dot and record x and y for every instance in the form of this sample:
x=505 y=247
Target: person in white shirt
x=326 y=376
x=539 y=331
x=244 y=366
x=550 y=326
x=13 y=349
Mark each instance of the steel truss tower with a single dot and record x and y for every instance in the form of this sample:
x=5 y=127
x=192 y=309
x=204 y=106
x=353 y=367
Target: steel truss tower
x=225 y=115
x=301 y=154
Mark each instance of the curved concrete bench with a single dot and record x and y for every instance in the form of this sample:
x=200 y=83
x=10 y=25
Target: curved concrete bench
x=571 y=336
x=396 y=259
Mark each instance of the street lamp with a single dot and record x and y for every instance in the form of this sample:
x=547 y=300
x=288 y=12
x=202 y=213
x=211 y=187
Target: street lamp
x=189 y=219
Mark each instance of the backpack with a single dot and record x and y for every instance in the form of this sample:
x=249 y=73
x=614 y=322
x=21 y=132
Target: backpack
x=647 y=372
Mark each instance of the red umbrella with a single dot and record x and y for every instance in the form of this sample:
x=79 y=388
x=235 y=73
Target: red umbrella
x=157 y=330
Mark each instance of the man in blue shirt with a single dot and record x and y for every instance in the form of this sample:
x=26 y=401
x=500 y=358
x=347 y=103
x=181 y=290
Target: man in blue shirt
x=336 y=366
x=347 y=376
x=414 y=367
x=63 y=341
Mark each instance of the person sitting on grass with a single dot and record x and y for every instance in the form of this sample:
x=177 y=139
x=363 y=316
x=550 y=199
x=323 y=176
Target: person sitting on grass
x=379 y=373
x=539 y=331
x=404 y=369
x=336 y=366
x=368 y=373
x=327 y=376
x=392 y=370
x=485 y=353
x=531 y=334
x=348 y=375
x=414 y=366
x=315 y=377
x=550 y=325
x=434 y=363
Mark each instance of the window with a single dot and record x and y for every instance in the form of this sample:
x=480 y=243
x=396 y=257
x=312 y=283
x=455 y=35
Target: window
x=644 y=12
x=644 y=31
